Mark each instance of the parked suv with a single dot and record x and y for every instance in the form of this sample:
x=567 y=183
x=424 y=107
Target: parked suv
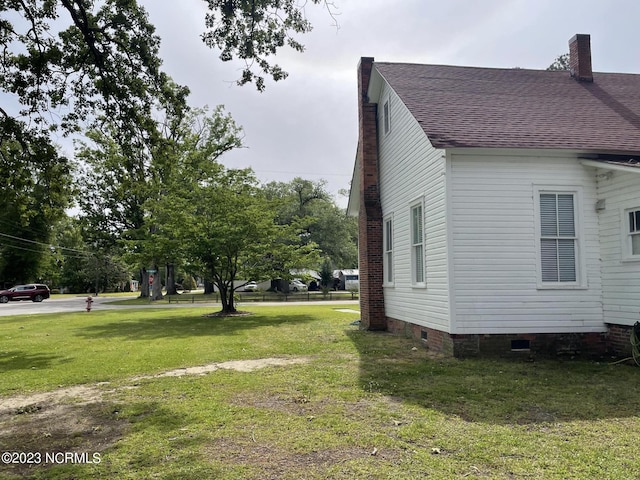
x=35 y=292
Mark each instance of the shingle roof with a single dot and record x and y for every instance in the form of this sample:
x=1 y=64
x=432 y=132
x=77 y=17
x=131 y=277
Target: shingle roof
x=517 y=108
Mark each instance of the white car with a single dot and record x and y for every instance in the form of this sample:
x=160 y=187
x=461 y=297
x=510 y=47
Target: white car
x=298 y=286
x=251 y=287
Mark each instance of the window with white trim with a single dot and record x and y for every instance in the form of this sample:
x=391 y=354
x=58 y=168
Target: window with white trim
x=634 y=231
x=388 y=251
x=386 y=117
x=417 y=245
x=558 y=237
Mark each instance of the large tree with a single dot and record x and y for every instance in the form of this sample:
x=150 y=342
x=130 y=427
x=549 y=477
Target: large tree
x=34 y=191
x=308 y=205
x=66 y=64
x=229 y=230
x=79 y=57
x=127 y=193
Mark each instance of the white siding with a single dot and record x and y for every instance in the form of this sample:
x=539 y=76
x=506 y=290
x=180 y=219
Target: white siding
x=410 y=170
x=494 y=249
x=620 y=277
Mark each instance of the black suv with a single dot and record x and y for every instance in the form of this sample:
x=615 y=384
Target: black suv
x=35 y=292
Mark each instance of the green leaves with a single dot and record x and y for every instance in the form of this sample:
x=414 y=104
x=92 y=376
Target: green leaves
x=308 y=207
x=34 y=191
x=253 y=31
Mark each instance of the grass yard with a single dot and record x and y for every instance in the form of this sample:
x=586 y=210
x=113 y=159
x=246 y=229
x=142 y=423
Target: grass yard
x=295 y=392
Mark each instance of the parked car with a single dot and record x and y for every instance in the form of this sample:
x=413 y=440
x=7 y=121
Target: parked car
x=35 y=292
x=297 y=286
x=251 y=287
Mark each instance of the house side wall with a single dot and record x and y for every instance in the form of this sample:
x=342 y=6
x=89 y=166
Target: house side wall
x=412 y=170
x=620 y=276
x=494 y=256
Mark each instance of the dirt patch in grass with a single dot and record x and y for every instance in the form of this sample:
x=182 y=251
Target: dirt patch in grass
x=228 y=314
x=270 y=462
x=50 y=428
x=83 y=394
x=79 y=419
x=295 y=403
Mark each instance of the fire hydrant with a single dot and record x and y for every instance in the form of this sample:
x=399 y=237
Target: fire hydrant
x=89 y=301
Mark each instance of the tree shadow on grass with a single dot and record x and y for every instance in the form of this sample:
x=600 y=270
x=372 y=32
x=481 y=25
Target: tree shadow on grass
x=494 y=390
x=19 y=360
x=150 y=327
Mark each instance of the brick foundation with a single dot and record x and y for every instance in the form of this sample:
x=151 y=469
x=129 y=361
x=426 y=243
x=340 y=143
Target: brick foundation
x=614 y=342
x=620 y=339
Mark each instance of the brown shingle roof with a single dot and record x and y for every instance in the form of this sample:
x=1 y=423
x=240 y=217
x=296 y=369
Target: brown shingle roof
x=517 y=108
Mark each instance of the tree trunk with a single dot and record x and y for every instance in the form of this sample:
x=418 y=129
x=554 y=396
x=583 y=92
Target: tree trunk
x=171 y=279
x=208 y=286
x=226 y=296
x=157 y=285
x=144 y=283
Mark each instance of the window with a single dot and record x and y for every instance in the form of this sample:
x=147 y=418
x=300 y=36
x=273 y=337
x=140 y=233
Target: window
x=558 y=239
x=388 y=251
x=386 y=123
x=634 y=231
x=417 y=245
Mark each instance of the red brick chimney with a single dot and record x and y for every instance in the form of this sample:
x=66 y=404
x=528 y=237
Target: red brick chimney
x=370 y=213
x=580 y=58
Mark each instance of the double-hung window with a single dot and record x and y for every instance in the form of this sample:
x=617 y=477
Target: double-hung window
x=388 y=251
x=558 y=238
x=417 y=245
x=634 y=232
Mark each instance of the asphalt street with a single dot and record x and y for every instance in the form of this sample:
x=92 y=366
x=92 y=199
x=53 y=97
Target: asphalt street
x=78 y=304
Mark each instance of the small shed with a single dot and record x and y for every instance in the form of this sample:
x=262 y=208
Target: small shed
x=347 y=279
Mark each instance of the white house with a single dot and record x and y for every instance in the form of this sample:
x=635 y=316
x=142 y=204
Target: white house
x=499 y=209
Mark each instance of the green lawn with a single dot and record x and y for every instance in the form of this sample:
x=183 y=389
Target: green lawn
x=354 y=405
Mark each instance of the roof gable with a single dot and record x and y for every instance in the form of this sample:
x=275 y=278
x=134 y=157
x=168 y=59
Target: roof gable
x=518 y=108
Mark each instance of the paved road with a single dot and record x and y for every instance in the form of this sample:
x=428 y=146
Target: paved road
x=77 y=304
x=55 y=305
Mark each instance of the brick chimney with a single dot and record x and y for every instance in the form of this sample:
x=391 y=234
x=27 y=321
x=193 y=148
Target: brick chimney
x=370 y=214
x=580 y=58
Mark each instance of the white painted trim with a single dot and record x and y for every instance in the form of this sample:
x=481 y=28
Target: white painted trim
x=386 y=126
x=625 y=238
x=609 y=166
x=419 y=201
x=581 y=267
x=385 y=282
x=447 y=179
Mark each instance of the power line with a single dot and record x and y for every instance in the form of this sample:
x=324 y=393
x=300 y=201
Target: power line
x=48 y=245
x=17 y=247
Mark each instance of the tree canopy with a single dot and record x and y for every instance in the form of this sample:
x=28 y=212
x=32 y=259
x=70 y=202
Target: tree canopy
x=560 y=63
x=254 y=31
x=91 y=69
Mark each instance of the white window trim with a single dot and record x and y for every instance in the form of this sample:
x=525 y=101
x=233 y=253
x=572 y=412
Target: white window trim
x=386 y=251
x=415 y=284
x=386 y=116
x=581 y=268
x=625 y=235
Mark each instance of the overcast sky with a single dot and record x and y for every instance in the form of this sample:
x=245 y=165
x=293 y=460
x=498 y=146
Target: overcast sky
x=306 y=125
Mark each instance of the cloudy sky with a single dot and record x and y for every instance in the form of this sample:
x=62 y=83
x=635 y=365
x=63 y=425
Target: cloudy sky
x=306 y=125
